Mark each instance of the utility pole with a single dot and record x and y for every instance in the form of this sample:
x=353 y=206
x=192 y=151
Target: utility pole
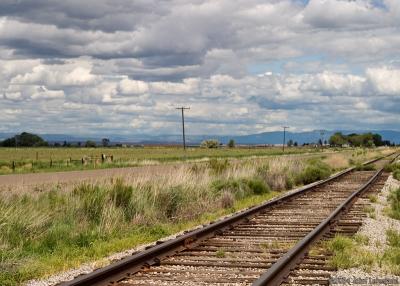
x=183 y=125
x=284 y=137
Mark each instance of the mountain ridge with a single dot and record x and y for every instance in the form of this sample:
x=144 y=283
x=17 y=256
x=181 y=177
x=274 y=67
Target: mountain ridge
x=272 y=137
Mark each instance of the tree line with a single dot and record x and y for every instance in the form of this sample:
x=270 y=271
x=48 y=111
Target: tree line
x=358 y=140
x=26 y=139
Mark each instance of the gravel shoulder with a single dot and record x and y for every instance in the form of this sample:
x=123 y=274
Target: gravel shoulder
x=375 y=229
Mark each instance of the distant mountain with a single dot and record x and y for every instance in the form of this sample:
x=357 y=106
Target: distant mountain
x=275 y=137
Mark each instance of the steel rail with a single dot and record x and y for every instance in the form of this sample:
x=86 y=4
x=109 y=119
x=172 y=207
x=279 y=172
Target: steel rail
x=153 y=255
x=279 y=271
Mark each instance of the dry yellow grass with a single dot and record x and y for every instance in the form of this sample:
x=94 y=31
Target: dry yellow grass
x=337 y=161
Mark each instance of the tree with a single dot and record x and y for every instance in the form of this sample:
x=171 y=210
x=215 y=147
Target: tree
x=105 y=142
x=210 y=143
x=338 y=139
x=24 y=139
x=378 y=140
x=90 y=144
x=290 y=143
x=320 y=142
x=231 y=143
x=295 y=144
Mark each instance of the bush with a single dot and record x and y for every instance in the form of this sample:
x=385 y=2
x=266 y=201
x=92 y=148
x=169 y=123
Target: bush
x=392 y=167
x=241 y=188
x=210 y=143
x=369 y=167
x=257 y=186
x=316 y=171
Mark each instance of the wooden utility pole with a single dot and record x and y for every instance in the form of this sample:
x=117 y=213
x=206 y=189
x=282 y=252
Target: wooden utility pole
x=183 y=125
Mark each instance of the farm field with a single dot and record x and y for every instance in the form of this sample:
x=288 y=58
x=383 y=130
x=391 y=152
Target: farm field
x=67 y=225
x=28 y=160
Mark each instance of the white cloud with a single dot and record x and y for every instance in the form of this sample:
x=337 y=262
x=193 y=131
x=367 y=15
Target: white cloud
x=243 y=66
x=385 y=80
x=128 y=86
x=44 y=93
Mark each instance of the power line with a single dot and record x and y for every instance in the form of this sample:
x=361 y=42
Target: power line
x=183 y=124
x=284 y=137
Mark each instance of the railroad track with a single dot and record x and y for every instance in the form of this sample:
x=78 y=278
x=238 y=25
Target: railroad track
x=264 y=245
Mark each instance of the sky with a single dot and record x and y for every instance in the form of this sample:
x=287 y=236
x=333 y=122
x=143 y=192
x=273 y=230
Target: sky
x=242 y=66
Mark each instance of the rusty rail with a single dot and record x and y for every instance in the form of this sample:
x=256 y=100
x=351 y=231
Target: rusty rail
x=152 y=256
x=275 y=275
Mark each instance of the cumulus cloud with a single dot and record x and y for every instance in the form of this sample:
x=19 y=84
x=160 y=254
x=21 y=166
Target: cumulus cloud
x=384 y=80
x=243 y=66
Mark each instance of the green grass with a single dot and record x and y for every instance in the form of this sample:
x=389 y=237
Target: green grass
x=60 y=230
x=316 y=170
x=369 y=167
x=348 y=253
x=351 y=252
x=372 y=198
x=29 y=160
x=394 y=201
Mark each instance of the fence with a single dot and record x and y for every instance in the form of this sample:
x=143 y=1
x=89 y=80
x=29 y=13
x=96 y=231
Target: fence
x=41 y=164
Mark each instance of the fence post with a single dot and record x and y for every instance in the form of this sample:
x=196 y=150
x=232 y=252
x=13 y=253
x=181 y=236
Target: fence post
x=13 y=166
x=83 y=162
x=37 y=155
x=103 y=157
x=51 y=163
x=112 y=158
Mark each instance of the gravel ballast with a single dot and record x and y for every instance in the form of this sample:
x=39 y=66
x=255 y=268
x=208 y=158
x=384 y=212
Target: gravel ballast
x=375 y=229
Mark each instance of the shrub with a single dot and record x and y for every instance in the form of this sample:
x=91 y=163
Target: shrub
x=241 y=188
x=392 y=167
x=257 y=186
x=210 y=143
x=231 y=143
x=369 y=167
x=317 y=170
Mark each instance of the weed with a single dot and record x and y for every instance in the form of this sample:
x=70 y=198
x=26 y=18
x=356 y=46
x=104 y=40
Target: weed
x=394 y=200
x=393 y=238
x=369 y=167
x=347 y=253
x=361 y=239
x=373 y=198
x=220 y=253
x=396 y=174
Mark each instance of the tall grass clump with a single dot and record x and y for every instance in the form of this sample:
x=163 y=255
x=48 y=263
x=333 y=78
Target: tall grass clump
x=394 y=200
x=314 y=171
x=348 y=253
x=279 y=174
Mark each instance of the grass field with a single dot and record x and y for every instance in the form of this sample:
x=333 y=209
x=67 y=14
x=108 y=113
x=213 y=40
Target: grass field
x=63 y=228
x=59 y=159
